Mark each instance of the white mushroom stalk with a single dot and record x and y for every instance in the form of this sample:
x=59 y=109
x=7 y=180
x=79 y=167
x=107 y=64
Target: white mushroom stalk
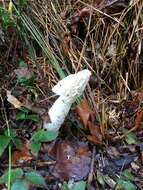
x=68 y=89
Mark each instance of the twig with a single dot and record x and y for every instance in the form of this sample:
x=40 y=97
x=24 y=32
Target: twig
x=90 y=176
x=37 y=164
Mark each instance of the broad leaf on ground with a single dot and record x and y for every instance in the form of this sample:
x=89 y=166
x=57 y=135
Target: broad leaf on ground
x=126 y=185
x=15 y=174
x=4 y=141
x=35 y=178
x=72 y=160
x=44 y=136
x=20 y=185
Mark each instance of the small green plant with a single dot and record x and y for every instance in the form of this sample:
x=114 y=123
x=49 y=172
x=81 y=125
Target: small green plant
x=24 y=77
x=24 y=114
x=5 y=140
x=6 y=19
x=126 y=181
x=40 y=137
x=23 y=180
x=131 y=138
x=80 y=185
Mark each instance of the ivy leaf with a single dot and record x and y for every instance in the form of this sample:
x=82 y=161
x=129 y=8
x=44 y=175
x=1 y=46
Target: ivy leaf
x=41 y=136
x=35 y=147
x=15 y=174
x=4 y=141
x=35 y=178
x=20 y=184
x=44 y=136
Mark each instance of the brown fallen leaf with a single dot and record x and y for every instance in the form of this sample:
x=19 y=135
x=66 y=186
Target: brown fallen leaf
x=66 y=44
x=14 y=101
x=139 y=120
x=96 y=136
x=87 y=117
x=138 y=124
x=84 y=112
x=72 y=160
x=17 y=104
x=22 y=155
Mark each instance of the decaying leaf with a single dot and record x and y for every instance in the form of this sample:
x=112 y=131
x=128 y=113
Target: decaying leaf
x=72 y=160
x=17 y=104
x=139 y=120
x=14 y=101
x=104 y=6
x=87 y=118
x=138 y=123
x=66 y=43
x=114 y=6
x=95 y=136
x=84 y=112
x=23 y=155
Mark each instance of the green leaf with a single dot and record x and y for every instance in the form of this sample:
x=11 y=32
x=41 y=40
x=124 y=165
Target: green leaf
x=15 y=174
x=35 y=147
x=33 y=117
x=128 y=175
x=20 y=116
x=39 y=137
x=22 y=64
x=24 y=109
x=24 y=116
x=35 y=178
x=17 y=142
x=44 y=136
x=6 y=20
x=26 y=81
x=81 y=185
x=4 y=141
x=20 y=185
x=65 y=186
x=125 y=185
x=12 y=133
x=22 y=2
x=131 y=138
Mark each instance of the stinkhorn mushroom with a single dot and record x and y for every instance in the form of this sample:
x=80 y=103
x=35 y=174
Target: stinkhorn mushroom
x=68 y=89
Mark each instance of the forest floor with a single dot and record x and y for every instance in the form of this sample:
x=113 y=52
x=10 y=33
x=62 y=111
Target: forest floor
x=100 y=144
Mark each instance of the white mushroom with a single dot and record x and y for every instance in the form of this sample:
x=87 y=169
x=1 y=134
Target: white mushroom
x=68 y=89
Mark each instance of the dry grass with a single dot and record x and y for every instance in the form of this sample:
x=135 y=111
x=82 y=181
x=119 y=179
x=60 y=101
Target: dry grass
x=110 y=45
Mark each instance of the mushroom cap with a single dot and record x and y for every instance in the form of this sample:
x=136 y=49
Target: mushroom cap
x=72 y=85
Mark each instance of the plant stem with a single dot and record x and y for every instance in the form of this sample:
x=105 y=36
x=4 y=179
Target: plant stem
x=9 y=146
